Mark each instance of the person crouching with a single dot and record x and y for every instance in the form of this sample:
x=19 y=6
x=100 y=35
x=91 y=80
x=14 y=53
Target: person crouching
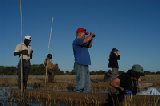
x=128 y=82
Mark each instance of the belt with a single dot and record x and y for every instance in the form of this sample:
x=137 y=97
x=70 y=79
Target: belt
x=26 y=60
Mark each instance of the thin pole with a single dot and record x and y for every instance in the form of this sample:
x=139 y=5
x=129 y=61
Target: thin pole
x=48 y=51
x=21 y=53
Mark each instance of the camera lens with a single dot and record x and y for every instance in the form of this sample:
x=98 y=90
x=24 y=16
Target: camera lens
x=93 y=36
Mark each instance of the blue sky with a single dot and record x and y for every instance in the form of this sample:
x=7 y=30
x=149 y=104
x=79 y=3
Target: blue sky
x=131 y=26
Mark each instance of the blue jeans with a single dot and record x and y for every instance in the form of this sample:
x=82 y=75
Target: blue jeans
x=83 y=81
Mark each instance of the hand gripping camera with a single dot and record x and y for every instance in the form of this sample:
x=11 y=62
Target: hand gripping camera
x=93 y=36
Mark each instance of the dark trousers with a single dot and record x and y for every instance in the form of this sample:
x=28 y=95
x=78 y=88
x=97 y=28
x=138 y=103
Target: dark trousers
x=26 y=68
x=50 y=75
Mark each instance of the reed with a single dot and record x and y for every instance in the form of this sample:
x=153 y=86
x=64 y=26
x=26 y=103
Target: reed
x=68 y=82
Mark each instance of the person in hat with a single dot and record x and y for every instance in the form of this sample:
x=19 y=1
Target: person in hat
x=82 y=60
x=127 y=83
x=107 y=75
x=113 y=63
x=50 y=68
x=26 y=52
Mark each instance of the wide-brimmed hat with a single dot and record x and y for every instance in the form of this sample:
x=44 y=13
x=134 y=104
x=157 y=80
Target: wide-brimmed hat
x=139 y=69
x=82 y=30
x=114 y=49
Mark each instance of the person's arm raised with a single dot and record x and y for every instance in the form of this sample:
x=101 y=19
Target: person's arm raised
x=88 y=38
x=90 y=44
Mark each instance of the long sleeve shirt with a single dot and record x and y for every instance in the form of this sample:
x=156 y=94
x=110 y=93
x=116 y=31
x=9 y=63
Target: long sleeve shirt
x=113 y=60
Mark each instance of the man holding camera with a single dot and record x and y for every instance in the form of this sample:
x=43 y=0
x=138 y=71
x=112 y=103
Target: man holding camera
x=82 y=60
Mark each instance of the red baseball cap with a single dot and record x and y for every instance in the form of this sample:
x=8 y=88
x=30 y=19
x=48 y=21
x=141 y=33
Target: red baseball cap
x=82 y=30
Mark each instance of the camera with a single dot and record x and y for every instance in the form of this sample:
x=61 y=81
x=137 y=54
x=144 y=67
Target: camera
x=93 y=36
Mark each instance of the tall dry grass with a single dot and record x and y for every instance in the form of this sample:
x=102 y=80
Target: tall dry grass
x=13 y=81
x=68 y=82
x=150 y=78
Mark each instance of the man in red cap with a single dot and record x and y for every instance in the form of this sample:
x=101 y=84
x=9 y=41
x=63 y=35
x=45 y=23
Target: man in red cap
x=82 y=60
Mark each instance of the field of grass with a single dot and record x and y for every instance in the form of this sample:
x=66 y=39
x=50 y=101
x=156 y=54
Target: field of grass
x=67 y=82
x=12 y=81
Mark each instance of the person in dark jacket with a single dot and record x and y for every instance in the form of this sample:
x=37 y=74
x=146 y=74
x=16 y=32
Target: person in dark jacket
x=113 y=63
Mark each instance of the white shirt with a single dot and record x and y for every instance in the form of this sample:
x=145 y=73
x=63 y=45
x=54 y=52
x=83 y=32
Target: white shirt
x=24 y=47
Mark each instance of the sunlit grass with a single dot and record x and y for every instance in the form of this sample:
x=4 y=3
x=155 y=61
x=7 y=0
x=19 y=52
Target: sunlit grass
x=68 y=82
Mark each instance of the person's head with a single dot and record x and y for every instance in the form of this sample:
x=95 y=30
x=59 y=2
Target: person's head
x=49 y=56
x=114 y=50
x=27 y=39
x=136 y=72
x=81 y=32
x=109 y=71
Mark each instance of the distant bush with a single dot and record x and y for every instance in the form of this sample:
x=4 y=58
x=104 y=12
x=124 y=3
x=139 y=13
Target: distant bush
x=39 y=69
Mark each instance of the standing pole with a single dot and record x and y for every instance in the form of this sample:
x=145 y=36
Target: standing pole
x=48 y=51
x=21 y=53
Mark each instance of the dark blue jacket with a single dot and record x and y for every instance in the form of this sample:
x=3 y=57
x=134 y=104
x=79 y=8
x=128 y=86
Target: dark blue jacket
x=113 y=61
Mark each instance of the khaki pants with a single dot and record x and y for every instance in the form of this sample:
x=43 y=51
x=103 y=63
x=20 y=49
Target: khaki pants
x=50 y=76
x=114 y=73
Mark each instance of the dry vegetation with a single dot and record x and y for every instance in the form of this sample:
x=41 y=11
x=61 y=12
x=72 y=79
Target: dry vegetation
x=68 y=82
x=71 y=79
x=41 y=79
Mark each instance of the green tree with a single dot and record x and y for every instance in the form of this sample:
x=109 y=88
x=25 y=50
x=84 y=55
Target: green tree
x=10 y=70
x=67 y=72
x=1 y=70
x=158 y=72
x=93 y=73
x=100 y=72
x=152 y=73
x=120 y=72
x=37 y=69
x=146 y=72
x=57 y=71
x=72 y=72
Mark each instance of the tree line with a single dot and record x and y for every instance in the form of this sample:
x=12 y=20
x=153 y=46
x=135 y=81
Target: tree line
x=36 y=69
x=39 y=69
